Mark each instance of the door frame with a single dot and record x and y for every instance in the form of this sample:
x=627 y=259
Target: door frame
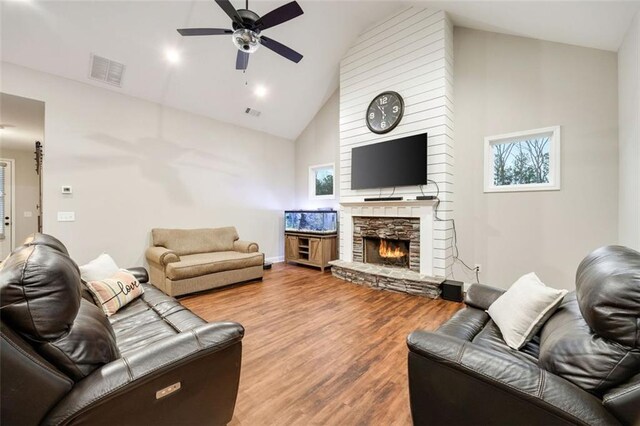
x=12 y=237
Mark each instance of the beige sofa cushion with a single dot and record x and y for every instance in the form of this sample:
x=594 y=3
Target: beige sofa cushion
x=195 y=265
x=190 y=241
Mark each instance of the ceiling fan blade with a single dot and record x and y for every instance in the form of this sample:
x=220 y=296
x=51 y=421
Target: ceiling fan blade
x=203 y=31
x=281 y=49
x=242 y=60
x=279 y=15
x=231 y=11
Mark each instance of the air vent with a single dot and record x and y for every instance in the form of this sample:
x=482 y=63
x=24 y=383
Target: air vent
x=252 y=112
x=106 y=70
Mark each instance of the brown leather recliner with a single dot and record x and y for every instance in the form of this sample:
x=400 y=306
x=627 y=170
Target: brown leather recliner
x=583 y=367
x=64 y=362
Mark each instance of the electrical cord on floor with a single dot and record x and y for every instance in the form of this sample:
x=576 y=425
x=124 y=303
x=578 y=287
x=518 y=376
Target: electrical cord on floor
x=456 y=253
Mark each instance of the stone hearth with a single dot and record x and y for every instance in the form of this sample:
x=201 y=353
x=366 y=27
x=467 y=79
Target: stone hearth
x=387 y=278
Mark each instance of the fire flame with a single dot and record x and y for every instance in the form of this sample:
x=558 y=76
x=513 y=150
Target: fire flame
x=386 y=251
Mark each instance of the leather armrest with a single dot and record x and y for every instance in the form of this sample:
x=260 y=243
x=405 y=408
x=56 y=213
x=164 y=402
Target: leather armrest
x=501 y=385
x=245 y=246
x=482 y=296
x=205 y=361
x=161 y=256
x=623 y=401
x=140 y=272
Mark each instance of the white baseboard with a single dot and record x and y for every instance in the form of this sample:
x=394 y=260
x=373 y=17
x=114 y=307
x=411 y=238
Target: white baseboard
x=277 y=259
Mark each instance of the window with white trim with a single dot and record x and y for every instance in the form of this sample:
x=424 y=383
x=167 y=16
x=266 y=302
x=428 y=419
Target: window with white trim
x=321 y=181
x=523 y=161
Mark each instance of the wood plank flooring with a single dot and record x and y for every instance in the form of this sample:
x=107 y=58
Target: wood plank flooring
x=318 y=350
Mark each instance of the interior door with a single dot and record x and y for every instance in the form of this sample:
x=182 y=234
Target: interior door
x=6 y=207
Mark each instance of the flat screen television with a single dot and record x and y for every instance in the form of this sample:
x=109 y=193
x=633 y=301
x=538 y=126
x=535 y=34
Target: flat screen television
x=399 y=162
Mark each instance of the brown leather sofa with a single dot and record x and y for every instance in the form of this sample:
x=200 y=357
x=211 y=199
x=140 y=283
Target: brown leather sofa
x=583 y=368
x=184 y=261
x=64 y=362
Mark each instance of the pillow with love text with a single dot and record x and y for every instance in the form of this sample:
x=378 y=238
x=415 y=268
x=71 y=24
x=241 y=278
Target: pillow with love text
x=115 y=292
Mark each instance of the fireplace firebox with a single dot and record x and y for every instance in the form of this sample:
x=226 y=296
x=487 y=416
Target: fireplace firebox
x=386 y=251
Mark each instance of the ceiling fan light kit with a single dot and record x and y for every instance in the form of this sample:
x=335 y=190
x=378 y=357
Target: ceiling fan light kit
x=247 y=27
x=246 y=40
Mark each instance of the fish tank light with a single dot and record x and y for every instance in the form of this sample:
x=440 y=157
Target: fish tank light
x=311 y=221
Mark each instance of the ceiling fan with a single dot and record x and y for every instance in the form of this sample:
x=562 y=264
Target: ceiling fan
x=247 y=27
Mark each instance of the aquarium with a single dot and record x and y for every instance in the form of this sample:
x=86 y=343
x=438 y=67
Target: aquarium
x=311 y=221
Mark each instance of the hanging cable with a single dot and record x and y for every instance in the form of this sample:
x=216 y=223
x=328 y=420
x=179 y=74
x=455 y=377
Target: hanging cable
x=456 y=253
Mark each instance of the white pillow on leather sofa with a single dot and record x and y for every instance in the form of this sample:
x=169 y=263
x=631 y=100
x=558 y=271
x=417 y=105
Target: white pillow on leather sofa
x=100 y=268
x=524 y=308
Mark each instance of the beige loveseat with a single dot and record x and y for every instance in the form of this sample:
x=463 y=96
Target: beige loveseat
x=184 y=261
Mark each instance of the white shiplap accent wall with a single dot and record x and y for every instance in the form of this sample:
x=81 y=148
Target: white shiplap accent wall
x=410 y=53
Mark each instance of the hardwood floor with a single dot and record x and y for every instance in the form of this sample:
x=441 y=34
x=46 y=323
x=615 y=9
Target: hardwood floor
x=318 y=350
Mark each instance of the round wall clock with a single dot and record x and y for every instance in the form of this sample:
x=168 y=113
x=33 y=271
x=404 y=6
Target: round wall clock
x=385 y=112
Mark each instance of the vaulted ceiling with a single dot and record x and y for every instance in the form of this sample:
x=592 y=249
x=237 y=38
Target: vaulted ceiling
x=58 y=37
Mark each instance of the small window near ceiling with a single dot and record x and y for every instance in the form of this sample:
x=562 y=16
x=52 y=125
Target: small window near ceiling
x=321 y=181
x=523 y=161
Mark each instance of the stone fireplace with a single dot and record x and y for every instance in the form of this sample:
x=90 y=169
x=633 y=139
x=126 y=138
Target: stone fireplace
x=389 y=245
x=389 y=241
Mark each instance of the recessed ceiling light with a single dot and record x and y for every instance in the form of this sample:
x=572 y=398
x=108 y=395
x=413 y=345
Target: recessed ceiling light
x=260 y=91
x=172 y=55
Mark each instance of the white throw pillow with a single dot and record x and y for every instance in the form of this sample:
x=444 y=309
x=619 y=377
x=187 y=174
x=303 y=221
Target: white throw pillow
x=100 y=268
x=524 y=308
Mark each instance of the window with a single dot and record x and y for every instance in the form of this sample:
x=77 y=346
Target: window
x=321 y=181
x=523 y=161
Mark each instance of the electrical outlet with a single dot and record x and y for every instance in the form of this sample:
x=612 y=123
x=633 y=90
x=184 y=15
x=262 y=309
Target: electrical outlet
x=478 y=267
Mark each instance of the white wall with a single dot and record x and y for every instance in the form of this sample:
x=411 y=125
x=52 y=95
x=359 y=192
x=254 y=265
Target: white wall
x=504 y=84
x=135 y=165
x=629 y=140
x=26 y=191
x=318 y=144
x=410 y=53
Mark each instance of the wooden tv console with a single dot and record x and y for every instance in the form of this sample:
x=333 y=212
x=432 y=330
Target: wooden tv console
x=310 y=249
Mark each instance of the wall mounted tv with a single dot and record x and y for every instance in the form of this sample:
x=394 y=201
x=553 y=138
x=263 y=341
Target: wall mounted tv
x=399 y=162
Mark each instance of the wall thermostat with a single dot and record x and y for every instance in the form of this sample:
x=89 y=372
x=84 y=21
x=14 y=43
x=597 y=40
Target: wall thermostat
x=66 y=189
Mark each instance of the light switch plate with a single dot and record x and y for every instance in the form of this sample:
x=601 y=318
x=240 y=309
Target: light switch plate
x=28 y=214
x=66 y=216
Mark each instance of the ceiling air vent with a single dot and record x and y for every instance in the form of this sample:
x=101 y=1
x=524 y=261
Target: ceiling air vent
x=252 y=112
x=106 y=70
